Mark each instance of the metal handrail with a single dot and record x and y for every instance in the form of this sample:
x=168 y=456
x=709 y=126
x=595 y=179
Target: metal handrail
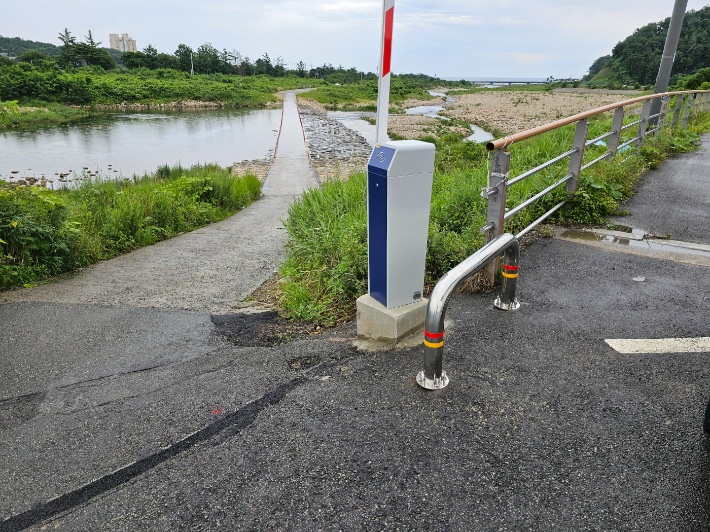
x=688 y=104
x=542 y=167
x=433 y=377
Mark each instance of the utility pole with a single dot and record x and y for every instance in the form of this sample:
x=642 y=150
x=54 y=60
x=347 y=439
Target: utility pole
x=664 y=71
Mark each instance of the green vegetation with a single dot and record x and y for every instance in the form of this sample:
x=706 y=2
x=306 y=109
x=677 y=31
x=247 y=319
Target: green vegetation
x=326 y=265
x=38 y=113
x=699 y=80
x=17 y=46
x=353 y=96
x=44 y=233
x=635 y=60
x=90 y=86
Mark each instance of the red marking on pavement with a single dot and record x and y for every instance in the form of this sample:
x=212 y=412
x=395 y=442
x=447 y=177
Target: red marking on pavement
x=387 y=59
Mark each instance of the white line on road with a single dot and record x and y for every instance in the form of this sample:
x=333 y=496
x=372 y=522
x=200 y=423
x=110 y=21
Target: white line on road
x=661 y=345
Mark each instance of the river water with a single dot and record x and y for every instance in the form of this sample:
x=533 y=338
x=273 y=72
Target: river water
x=138 y=142
x=124 y=144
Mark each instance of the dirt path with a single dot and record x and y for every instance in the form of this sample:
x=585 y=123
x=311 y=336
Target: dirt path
x=210 y=269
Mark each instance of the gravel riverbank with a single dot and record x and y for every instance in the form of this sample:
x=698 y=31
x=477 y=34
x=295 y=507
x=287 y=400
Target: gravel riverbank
x=511 y=112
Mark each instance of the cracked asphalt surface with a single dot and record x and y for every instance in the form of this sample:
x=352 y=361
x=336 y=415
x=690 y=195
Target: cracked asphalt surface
x=142 y=418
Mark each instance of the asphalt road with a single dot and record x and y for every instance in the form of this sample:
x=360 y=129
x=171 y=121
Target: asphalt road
x=674 y=200
x=118 y=417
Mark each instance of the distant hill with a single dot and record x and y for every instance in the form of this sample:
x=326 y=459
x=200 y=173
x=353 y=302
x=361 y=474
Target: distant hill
x=637 y=58
x=15 y=46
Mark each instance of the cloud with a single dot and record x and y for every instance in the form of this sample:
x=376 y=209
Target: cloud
x=508 y=21
x=529 y=58
x=345 y=5
x=439 y=19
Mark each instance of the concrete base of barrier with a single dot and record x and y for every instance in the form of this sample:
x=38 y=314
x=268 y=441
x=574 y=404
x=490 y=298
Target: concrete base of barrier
x=389 y=325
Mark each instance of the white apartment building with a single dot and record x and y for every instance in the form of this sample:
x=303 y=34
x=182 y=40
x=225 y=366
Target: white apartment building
x=123 y=43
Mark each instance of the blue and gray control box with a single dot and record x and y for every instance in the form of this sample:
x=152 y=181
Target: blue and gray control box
x=399 y=181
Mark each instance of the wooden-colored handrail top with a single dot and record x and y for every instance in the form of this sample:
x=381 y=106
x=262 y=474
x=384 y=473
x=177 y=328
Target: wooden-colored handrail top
x=517 y=137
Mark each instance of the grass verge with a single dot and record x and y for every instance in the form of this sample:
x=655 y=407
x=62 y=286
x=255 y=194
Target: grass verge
x=45 y=233
x=34 y=113
x=326 y=265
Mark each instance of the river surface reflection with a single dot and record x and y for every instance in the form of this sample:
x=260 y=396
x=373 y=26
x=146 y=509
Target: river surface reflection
x=139 y=142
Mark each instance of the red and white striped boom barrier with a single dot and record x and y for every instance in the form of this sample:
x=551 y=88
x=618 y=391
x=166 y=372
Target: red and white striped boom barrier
x=383 y=93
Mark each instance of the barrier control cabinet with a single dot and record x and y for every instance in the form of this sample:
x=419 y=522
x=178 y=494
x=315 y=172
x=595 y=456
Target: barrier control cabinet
x=399 y=181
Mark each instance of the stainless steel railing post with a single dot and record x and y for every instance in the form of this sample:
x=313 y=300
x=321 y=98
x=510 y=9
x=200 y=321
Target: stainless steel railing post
x=664 y=111
x=616 y=126
x=432 y=377
x=496 y=193
x=645 y=111
x=678 y=107
x=575 y=160
x=686 y=114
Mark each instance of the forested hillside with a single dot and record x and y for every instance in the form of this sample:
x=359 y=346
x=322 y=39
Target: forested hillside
x=17 y=46
x=635 y=60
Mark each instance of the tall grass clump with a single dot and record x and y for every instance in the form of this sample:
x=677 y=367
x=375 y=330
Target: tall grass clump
x=44 y=233
x=326 y=267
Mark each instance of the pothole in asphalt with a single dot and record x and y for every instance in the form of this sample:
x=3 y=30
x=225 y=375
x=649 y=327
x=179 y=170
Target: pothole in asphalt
x=264 y=329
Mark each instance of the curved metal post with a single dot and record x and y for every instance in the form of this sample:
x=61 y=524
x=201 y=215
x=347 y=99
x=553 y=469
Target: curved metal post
x=432 y=377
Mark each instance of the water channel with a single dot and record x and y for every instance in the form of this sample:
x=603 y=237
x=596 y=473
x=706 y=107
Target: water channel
x=354 y=120
x=138 y=142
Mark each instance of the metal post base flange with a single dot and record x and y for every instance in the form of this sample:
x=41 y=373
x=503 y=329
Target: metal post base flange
x=433 y=384
x=513 y=305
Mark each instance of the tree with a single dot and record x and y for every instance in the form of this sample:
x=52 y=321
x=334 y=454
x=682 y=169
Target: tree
x=263 y=65
x=90 y=40
x=38 y=60
x=166 y=61
x=133 y=59
x=67 y=51
x=207 y=59
x=183 y=54
x=151 y=56
x=89 y=56
x=301 y=69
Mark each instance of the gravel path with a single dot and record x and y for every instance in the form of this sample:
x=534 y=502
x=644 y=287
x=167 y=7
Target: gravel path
x=211 y=269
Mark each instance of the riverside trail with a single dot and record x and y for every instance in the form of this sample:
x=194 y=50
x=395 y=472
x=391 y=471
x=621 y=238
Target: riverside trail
x=210 y=269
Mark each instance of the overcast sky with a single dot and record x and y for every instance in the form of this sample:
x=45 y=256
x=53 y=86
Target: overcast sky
x=450 y=38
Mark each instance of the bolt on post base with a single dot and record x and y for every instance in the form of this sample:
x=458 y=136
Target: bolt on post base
x=513 y=305
x=437 y=383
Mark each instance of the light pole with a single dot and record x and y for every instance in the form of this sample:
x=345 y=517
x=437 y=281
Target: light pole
x=669 y=50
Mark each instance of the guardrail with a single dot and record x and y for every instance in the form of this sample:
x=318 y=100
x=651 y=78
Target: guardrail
x=688 y=104
x=433 y=377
